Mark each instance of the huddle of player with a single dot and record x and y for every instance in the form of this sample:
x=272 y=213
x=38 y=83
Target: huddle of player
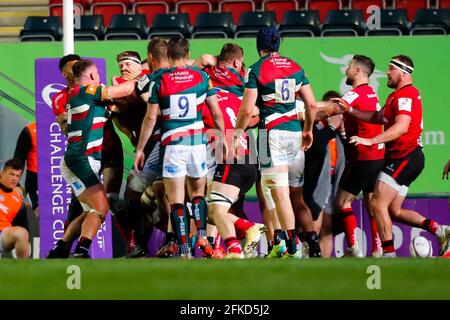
x=194 y=123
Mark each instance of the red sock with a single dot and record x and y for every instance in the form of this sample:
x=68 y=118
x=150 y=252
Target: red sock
x=430 y=225
x=241 y=226
x=349 y=225
x=388 y=246
x=376 y=241
x=233 y=245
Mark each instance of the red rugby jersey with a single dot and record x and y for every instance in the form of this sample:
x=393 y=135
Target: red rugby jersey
x=362 y=98
x=406 y=101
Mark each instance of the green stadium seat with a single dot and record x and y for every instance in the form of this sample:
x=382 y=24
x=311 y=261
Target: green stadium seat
x=431 y=22
x=343 y=23
x=127 y=26
x=300 y=24
x=91 y=28
x=169 y=25
x=213 y=25
x=251 y=22
x=41 y=29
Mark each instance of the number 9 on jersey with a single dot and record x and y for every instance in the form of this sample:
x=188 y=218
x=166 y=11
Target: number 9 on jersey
x=183 y=106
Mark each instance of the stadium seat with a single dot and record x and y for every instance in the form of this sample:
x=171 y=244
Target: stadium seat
x=193 y=8
x=364 y=4
x=411 y=6
x=56 y=9
x=443 y=4
x=213 y=25
x=169 y=25
x=91 y=28
x=343 y=23
x=236 y=7
x=431 y=22
x=127 y=3
x=108 y=10
x=150 y=9
x=323 y=6
x=41 y=29
x=300 y=24
x=393 y=23
x=251 y=22
x=280 y=7
x=84 y=3
x=127 y=26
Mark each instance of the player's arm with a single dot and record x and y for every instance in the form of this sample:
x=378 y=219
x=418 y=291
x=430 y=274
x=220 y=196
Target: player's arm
x=446 y=171
x=216 y=113
x=119 y=91
x=368 y=116
x=247 y=109
x=148 y=124
x=23 y=145
x=310 y=114
x=400 y=127
x=126 y=131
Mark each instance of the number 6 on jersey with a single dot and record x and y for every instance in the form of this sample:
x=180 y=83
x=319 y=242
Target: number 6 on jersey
x=285 y=90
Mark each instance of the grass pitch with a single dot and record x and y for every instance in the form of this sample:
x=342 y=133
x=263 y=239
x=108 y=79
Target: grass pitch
x=401 y=278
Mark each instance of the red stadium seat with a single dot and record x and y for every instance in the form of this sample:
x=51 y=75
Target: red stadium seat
x=193 y=8
x=127 y=3
x=150 y=9
x=57 y=9
x=323 y=6
x=443 y=4
x=280 y=7
x=364 y=4
x=236 y=7
x=411 y=6
x=84 y=3
x=108 y=9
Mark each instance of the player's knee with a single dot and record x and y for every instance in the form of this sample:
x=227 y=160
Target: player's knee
x=20 y=234
x=101 y=214
x=220 y=200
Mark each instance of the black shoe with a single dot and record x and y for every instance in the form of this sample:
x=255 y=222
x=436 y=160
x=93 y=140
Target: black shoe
x=80 y=255
x=58 y=253
x=137 y=252
x=313 y=243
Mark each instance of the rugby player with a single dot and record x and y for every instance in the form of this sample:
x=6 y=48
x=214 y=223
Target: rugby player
x=272 y=83
x=403 y=124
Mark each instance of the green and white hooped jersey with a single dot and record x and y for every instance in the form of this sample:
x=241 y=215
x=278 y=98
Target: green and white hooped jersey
x=278 y=80
x=86 y=119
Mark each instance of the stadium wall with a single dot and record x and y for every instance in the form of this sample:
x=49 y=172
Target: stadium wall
x=324 y=60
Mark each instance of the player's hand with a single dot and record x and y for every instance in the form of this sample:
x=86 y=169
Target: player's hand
x=307 y=140
x=358 y=140
x=139 y=160
x=345 y=107
x=131 y=74
x=445 y=173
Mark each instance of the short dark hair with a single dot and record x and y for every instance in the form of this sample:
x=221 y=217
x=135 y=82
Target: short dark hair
x=177 y=48
x=125 y=54
x=366 y=62
x=80 y=66
x=15 y=164
x=158 y=48
x=405 y=59
x=67 y=58
x=327 y=96
x=230 y=51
